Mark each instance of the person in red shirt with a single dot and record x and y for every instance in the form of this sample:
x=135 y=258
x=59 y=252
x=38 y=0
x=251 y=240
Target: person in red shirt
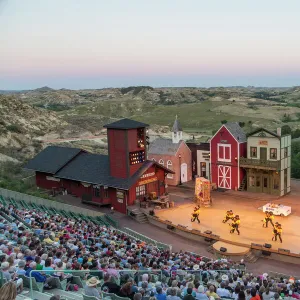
x=254 y=295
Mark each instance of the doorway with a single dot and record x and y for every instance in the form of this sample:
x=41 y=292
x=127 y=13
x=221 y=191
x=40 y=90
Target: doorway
x=263 y=153
x=265 y=185
x=183 y=172
x=203 y=169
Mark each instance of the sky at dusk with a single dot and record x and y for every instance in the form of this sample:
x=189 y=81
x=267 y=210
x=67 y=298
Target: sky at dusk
x=98 y=43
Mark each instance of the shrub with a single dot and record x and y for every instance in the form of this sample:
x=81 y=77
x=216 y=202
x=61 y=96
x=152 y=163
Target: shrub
x=223 y=121
x=14 y=128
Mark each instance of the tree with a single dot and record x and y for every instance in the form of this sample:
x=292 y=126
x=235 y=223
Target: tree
x=286 y=129
x=295 y=160
x=296 y=133
x=286 y=118
x=242 y=124
x=224 y=121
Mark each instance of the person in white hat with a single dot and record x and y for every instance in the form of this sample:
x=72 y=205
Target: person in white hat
x=90 y=288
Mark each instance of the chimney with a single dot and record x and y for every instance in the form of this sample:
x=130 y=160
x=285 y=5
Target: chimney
x=279 y=131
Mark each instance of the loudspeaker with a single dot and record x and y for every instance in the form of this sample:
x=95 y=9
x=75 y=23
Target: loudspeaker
x=269 y=246
x=283 y=251
x=215 y=237
x=256 y=245
x=266 y=253
x=222 y=249
x=208 y=232
x=181 y=226
x=170 y=227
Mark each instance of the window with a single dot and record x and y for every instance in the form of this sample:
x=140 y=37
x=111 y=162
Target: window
x=140 y=190
x=106 y=193
x=136 y=157
x=161 y=162
x=97 y=192
x=169 y=166
x=224 y=152
x=251 y=181
x=253 y=151
x=285 y=152
x=273 y=153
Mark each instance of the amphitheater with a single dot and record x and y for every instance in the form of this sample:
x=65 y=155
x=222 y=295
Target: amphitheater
x=51 y=249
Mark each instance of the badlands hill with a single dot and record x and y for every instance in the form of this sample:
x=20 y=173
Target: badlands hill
x=30 y=117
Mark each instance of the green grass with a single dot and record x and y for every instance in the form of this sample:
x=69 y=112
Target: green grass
x=194 y=117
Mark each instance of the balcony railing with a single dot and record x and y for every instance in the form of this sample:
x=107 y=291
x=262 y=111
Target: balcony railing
x=259 y=164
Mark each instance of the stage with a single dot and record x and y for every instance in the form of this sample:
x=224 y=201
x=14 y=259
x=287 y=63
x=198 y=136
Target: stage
x=251 y=223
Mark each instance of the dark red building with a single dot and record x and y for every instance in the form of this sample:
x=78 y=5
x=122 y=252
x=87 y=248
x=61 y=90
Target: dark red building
x=118 y=178
x=226 y=147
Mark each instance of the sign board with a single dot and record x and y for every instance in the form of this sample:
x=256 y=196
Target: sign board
x=146 y=181
x=120 y=196
x=148 y=175
x=263 y=143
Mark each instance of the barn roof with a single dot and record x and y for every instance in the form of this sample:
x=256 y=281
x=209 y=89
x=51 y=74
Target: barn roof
x=163 y=146
x=94 y=169
x=52 y=159
x=82 y=166
x=126 y=124
x=237 y=132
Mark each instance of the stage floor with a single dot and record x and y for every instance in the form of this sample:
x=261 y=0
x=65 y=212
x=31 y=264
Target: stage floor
x=251 y=223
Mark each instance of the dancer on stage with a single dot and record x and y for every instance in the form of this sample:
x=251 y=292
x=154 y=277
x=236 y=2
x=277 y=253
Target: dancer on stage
x=229 y=216
x=195 y=214
x=268 y=218
x=277 y=231
x=235 y=224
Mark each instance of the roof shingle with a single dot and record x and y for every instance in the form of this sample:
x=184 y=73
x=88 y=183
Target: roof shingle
x=236 y=131
x=51 y=159
x=163 y=146
x=126 y=124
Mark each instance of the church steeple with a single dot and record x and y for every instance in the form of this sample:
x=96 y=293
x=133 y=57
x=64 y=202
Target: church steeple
x=176 y=131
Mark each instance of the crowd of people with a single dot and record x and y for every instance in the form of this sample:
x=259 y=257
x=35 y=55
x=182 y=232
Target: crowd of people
x=47 y=247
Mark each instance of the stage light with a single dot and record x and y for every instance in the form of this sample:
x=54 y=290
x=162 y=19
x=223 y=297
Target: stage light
x=268 y=246
x=208 y=232
x=222 y=249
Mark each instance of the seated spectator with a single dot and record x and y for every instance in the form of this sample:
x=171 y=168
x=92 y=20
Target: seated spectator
x=222 y=291
x=254 y=295
x=173 y=295
x=109 y=286
x=200 y=294
x=8 y=291
x=21 y=266
x=11 y=276
x=90 y=288
x=159 y=294
x=241 y=296
x=211 y=292
x=125 y=291
x=189 y=295
x=137 y=296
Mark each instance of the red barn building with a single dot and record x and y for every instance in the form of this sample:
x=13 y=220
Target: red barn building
x=226 y=148
x=118 y=178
